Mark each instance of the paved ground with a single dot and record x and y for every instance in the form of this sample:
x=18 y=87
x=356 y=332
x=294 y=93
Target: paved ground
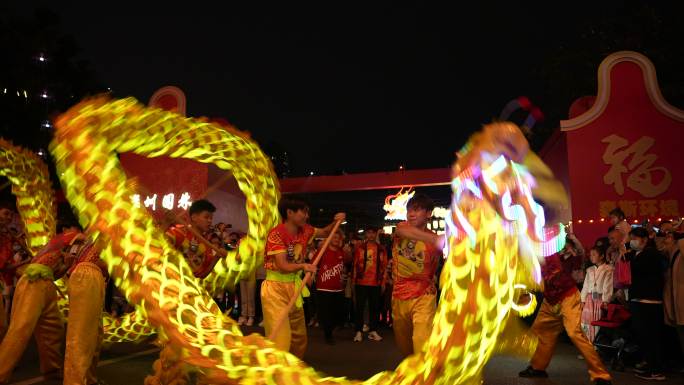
x=129 y=364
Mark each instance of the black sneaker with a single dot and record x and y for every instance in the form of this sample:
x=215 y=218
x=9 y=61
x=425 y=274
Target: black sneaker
x=601 y=381
x=531 y=372
x=651 y=376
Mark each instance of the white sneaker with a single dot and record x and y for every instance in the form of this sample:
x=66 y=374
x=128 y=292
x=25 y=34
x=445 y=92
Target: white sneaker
x=241 y=320
x=261 y=324
x=365 y=328
x=358 y=337
x=250 y=321
x=374 y=336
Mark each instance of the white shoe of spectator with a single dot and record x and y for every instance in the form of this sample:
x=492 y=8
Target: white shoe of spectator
x=374 y=336
x=358 y=337
x=241 y=320
x=365 y=328
x=250 y=321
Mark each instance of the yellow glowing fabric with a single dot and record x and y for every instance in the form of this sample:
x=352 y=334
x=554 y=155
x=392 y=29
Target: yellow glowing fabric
x=30 y=181
x=479 y=279
x=32 y=188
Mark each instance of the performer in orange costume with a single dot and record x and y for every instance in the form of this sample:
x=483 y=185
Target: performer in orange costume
x=197 y=252
x=35 y=310
x=285 y=250
x=202 y=258
x=416 y=256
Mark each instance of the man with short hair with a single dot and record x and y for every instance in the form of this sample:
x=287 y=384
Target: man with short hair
x=368 y=274
x=286 y=250
x=197 y=251
x=646 y=301
x=415 y=252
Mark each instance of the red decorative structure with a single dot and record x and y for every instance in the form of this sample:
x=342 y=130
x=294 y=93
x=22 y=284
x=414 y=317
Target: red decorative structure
x=623 y=152
x=174 y=181
x=169 y=98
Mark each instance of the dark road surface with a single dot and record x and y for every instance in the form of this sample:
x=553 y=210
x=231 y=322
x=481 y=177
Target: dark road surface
x=128 y=364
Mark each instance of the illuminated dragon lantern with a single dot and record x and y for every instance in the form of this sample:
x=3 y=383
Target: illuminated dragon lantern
x=495 y=239
x=30 y=180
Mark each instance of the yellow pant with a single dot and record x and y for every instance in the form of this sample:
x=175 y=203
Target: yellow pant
x=84 y=327
x=274 y=299
x=550 y=322
x=3 y=318
x=412 y=322
x=34 y=311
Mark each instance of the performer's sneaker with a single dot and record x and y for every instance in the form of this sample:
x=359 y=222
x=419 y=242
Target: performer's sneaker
x=250 y=321
x=651 y=376
x=358 y=337
x=531 y=372
x=374 y=336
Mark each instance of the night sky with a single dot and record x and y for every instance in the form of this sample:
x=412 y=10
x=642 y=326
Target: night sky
x=332 y=86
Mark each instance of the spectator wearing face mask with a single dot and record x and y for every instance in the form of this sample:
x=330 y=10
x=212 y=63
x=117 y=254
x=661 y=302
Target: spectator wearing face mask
x=646 y=301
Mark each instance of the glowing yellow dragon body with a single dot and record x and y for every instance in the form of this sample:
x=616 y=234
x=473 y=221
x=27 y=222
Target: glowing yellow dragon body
x=495 y=235
x=30 y=180
x=28 y=174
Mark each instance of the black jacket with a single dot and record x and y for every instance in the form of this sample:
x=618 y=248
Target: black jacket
x=648 y=269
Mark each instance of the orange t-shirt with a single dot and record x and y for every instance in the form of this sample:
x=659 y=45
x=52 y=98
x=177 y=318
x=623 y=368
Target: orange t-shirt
x=370 y=262
x=281 y=241
x=197 y=253
x=413 y=268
